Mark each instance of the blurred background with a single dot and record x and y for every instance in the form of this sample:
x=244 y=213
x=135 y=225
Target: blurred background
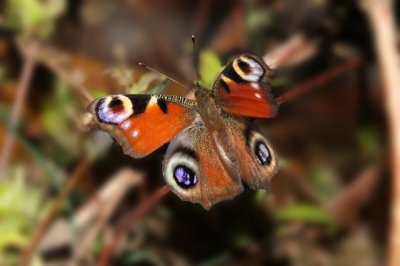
x=68 y=194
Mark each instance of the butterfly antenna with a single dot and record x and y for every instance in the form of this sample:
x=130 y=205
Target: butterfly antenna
x=161 y=74
x=195 y=60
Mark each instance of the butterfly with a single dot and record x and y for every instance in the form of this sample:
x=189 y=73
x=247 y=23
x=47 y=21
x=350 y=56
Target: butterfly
x=214 y=148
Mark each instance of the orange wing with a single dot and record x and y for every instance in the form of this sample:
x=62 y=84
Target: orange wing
x=142 y=123
x=258 y=160
x=242 y=88
x=194 y=170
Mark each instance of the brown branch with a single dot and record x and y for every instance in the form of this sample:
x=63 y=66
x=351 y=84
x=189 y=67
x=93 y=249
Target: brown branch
x=346 y=205
x=296 y=46
x=95 y=214
x=78 y=172
x=58 y=62
x=300 y=47
x=381 y=17
x=319 y=80
x=65 y=73
x=129 y=220
x=23 y=85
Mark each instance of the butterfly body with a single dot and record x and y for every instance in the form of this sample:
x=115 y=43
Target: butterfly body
x=214 y=148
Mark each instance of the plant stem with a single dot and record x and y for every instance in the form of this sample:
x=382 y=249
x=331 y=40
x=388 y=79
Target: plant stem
x=55 y=207
x=23 y=85
x=319 y=80
x=381 y=18
x=129 y=220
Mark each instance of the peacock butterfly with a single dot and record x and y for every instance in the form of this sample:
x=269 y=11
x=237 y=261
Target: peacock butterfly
x=214 y=147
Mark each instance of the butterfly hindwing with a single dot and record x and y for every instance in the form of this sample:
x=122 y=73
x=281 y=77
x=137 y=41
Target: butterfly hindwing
x=142 y=123
x=242 y=88
x=194 y=170
x=256 y=158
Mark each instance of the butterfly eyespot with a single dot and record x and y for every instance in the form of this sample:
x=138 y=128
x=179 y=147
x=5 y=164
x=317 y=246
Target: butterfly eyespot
x=262 y=153
x=184 y=176
x=115 y=103
x=244 y=67
x=258 y=146
x=248 y=69
x=114 y=109
x=181 y=171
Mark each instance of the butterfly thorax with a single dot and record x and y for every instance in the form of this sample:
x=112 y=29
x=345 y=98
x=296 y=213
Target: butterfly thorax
x=202 y=94
x=208 y=109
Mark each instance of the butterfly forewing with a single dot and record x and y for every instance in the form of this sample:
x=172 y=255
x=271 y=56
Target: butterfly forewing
x=142 y=123
x=242 y=88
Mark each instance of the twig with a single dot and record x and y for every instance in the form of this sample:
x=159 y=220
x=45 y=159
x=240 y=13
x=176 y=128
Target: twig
x=58 y=62
x=381 y=17
x=130 y=219
x=98 y=210
x=319 y=80
x=295 y=46
x=23 y=85
x=54 y=209
x=299 y=46
x=64 y=73
x=346 y=205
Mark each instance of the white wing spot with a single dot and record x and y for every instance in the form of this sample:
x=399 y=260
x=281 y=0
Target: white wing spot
x=255 y=85
x=126 y=125
x=153 y=101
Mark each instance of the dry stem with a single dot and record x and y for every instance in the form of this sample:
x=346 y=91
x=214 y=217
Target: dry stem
x=129 y=220
x=23 y=85
x=94 y=216
x=323 y=78
x=296 y=46
x=53 y=212
x=381 y=18
x=346 y=205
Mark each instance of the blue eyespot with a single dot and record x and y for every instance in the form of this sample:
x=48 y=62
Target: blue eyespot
x=184 y=176
x=262 y=153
